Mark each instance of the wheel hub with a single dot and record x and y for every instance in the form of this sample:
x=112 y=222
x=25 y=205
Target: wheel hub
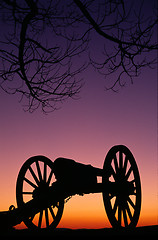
x=41 y=191
x=124 y=188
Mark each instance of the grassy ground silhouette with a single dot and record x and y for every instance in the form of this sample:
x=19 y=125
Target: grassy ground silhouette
x=139 y=231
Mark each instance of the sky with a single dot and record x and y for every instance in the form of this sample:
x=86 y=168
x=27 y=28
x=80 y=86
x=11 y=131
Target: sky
x=85 y=130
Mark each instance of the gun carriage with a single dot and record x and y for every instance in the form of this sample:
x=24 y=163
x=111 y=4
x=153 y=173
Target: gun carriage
x=44 y=186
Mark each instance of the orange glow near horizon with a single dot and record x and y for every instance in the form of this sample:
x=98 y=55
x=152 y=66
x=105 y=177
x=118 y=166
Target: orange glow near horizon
x=88 y=212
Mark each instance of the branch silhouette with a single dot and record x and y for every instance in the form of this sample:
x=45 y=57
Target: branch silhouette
x=47 y=45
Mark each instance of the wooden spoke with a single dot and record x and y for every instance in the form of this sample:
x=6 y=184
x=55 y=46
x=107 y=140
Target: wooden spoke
x=29 y=193
x=111 y=195
x=125 y=217
x=115 y=206
x=115 y=163
x=50 y=176
x=47 y=218
x=128 y=211
x=51 y=211
x=119 y=215
x=135 y=191
x=33 y=175
x=120 y=159
x=29 y=182
x=32 y=217
x=129 y=172
x=45 y=172
x=113 y=172
x=130 y=202
x=40 y=219
x=133 y=181
x=39 y=171
x=125 y=164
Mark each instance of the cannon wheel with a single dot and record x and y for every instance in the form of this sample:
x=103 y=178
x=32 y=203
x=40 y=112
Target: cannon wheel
x=123 y=201
x=38 y=171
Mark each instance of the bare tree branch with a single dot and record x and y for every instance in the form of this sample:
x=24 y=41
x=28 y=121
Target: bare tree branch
x=129 y=42
x=48 y=44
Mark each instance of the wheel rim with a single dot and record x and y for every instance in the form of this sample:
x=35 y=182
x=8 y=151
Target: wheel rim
x=123 y=201
x=35 y=175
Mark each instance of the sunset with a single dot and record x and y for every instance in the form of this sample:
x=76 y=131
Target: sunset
x=83 y=128
x=85 y=135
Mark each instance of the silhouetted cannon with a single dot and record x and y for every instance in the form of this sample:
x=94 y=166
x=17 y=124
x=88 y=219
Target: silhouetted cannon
x=44 y=186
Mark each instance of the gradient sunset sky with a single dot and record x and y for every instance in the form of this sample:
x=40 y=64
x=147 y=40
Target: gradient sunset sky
x=85 y=130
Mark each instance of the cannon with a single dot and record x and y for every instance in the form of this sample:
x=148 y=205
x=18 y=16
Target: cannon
x=43 y=187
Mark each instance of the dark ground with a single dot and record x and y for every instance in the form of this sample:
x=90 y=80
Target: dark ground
x=139 y=231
